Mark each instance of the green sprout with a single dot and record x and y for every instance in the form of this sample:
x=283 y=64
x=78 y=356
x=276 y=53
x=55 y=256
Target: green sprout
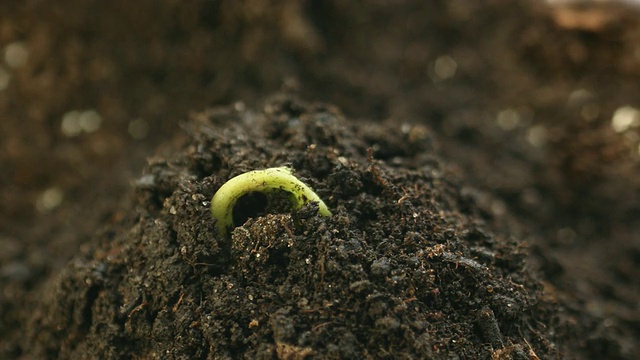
x=263 y=181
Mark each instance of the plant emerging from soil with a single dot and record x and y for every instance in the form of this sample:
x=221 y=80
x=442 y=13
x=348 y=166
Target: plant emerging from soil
x=264 y=181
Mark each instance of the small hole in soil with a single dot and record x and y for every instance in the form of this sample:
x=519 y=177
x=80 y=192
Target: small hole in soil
x=256 y=204
x=279 y=258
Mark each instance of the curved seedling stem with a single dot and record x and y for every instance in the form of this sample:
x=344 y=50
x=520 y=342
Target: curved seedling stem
x=263 y=181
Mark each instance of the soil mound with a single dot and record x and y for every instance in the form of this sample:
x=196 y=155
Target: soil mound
x=408 y=266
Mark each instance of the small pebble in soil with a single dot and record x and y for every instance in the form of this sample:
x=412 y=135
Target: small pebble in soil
x=16 y=54
x=624 y=118
x=77 y=121
x=49 y=199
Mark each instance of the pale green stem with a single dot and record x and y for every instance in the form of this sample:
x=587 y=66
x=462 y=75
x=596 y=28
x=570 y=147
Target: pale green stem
x=263 y=181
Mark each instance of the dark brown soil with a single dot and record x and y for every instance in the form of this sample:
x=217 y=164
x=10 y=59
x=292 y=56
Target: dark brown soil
x=485 y=205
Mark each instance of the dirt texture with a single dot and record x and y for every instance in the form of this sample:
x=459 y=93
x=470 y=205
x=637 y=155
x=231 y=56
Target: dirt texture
x=481 y=161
